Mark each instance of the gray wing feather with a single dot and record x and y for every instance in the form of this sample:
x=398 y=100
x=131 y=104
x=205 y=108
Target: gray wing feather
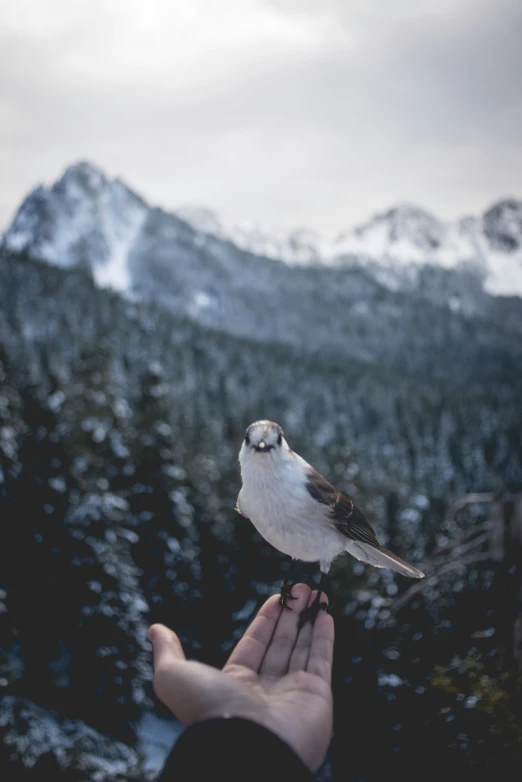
x=378 y=556
x=362 y=541
x=347 y=518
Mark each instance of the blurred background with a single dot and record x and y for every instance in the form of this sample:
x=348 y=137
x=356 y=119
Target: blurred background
x=219 y=211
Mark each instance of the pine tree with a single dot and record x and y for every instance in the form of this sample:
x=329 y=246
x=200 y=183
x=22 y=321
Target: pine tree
x=167 y=550
x=36 y=546
x=12 y=432
x=109 y=651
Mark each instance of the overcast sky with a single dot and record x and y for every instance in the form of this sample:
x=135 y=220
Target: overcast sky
x=290 y=112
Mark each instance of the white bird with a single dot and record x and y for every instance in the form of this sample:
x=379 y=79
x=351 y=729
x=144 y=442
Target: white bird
x=300 y=513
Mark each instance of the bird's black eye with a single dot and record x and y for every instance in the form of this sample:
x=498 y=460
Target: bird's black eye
x=247 y=439
x=280 y=438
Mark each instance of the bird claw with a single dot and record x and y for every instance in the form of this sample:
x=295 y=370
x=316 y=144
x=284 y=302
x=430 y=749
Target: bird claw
x=286 y=595
x=311 y=613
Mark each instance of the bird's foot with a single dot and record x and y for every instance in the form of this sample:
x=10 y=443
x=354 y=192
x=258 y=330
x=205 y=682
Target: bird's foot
x=286 y=595
x=311 y=613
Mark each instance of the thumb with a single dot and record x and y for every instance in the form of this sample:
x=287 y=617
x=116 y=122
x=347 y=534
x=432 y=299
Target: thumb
x=166 y=645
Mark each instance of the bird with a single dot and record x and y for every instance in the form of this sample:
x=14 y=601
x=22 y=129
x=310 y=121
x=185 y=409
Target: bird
x=301 y=514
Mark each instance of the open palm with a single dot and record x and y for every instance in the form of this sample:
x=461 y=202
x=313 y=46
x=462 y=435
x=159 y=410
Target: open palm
x=278 y=676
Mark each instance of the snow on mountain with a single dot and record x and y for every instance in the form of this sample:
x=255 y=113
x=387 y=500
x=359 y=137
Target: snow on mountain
x=86 y=219
x=393 y=245
x=301 y=246
x=502 y=226
x=405 y=232
x=407 y=236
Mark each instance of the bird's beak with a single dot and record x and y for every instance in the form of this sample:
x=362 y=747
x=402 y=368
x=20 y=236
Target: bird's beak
x=262 y=445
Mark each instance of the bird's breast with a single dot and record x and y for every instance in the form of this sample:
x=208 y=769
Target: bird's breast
x=280 y=507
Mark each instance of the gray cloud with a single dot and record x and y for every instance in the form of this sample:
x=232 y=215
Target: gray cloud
x=287 y=112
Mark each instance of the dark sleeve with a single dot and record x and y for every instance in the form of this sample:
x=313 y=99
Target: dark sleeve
x=233 y=749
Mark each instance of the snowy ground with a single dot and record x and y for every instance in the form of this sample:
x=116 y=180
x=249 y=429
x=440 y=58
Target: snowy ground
x=156 y=737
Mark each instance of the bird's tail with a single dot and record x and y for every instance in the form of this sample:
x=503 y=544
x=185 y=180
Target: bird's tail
x=378 y=556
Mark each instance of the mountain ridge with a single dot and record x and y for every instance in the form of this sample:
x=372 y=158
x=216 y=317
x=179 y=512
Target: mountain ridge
x=86 y=217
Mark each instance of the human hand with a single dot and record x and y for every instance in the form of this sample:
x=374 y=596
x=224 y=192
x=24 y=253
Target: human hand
x=278 y=676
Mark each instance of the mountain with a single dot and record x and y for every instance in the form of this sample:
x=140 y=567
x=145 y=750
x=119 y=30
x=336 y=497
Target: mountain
x=409 y=237
x=393 y=244
x=83 y=220
x=88 y=221
x=301 y=246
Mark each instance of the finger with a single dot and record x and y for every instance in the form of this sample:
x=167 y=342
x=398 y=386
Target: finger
x=252 y=647
x=166 y=646
x=301 y=652
x=279 y=651
x=320 y=659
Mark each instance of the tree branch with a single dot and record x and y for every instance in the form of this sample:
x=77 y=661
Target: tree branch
x=420 y=585
x=486 y=525
x=472 y=499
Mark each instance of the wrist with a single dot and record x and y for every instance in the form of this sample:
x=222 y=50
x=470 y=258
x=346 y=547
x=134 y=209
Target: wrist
x=234 y=744
x=263 y=717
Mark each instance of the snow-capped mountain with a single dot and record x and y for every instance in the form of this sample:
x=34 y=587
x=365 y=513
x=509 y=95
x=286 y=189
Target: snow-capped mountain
x=301 y=246
x=407 y=236
x=86 y=219
x=393 y=244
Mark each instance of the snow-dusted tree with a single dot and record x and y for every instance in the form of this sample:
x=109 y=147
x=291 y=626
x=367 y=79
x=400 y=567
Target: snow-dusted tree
x=36 y=549
x=110 y=662
x=166 y=551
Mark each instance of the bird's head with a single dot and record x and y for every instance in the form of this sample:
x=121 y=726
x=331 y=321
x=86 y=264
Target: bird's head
x=263 y=439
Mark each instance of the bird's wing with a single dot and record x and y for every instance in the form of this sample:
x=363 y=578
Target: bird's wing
x=362 y=541
x=347 y=518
